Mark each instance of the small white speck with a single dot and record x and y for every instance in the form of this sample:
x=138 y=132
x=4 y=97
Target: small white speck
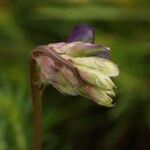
x=108 y=48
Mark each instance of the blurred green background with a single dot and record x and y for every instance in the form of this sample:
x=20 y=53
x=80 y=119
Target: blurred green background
x=75 y=123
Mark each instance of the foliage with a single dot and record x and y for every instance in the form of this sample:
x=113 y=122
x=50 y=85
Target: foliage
x=74 y=122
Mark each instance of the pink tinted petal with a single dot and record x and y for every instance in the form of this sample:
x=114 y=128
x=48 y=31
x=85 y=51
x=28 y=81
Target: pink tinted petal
x=99 y=96
x=47 y=66
x=68 y=74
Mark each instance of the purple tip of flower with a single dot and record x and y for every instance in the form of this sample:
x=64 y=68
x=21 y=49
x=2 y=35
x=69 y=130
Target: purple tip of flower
x=105 y=53
x=83 y=33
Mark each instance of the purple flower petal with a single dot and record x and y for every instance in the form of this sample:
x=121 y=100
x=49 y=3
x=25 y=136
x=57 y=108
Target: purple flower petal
x=83 y=33
x=105 y=53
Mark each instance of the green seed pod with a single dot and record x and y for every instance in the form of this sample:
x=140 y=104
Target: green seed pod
x=78 y=67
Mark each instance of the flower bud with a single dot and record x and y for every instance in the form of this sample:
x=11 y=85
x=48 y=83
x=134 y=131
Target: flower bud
x=78 y=67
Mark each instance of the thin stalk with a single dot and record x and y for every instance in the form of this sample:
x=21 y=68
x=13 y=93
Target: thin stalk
x=36 y=92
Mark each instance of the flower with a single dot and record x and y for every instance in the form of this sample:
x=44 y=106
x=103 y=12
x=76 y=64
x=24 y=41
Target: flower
x=78 y=66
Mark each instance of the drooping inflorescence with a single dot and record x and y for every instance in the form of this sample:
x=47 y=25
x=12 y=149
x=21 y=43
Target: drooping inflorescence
x=78 y=67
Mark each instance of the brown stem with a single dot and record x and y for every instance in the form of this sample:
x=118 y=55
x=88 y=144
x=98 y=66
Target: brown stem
x=37 y=110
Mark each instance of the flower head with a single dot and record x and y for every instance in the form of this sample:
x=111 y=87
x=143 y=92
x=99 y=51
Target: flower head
x=78 y=67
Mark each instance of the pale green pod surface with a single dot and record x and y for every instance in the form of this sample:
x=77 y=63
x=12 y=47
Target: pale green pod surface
x=95 y=78
x=76 y=86
x=99 y=96
x=110 y=93
x=104 y=65
x=65 y=89
x=63 y=85
x=79 y=49
x=110 y=68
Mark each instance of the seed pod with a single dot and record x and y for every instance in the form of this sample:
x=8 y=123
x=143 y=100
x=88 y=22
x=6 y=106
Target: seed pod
x=78 y=67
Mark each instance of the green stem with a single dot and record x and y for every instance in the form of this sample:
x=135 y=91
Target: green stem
x=37 y=110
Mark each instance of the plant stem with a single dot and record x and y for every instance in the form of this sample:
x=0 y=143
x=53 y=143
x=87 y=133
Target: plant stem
x=37 y=109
